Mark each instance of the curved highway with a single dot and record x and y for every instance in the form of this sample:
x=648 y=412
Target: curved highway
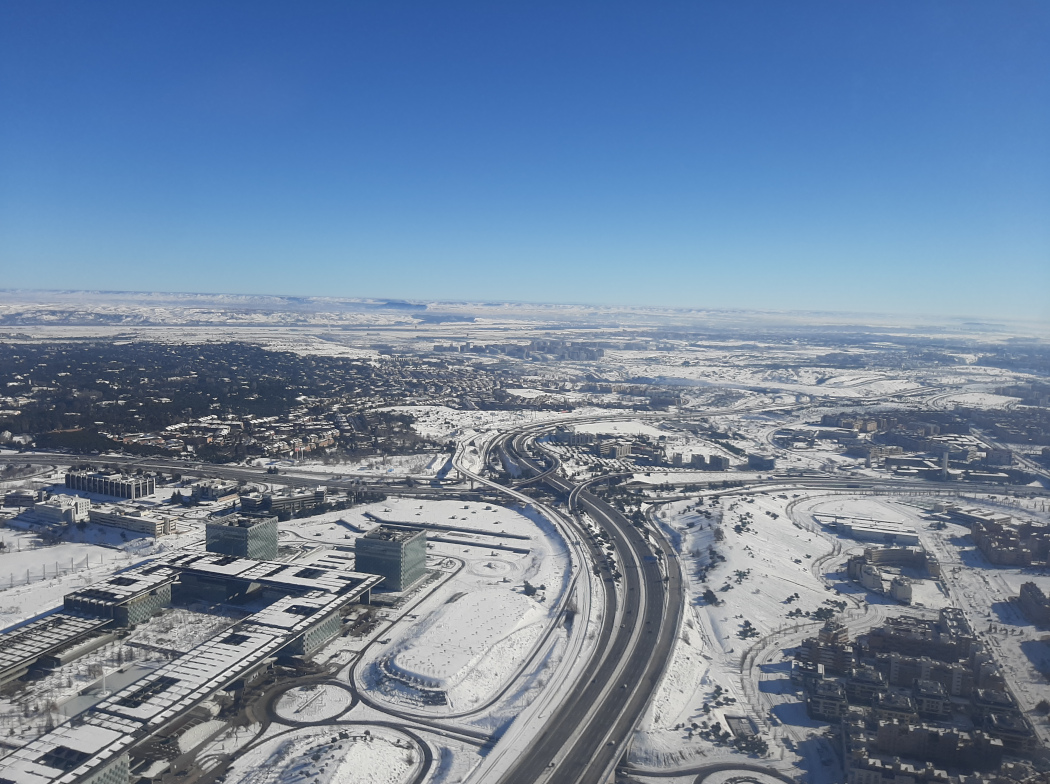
x=585 y=738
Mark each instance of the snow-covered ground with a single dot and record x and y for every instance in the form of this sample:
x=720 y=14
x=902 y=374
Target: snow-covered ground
x=471 y=636
x=330 y=755
x=768 y=562
x=632 y=427
x=401 y=465
x=313 y=703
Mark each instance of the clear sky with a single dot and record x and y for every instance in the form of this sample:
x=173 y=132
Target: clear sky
x=888 y=156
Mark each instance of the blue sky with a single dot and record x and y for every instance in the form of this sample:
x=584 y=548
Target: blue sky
x=883 y=156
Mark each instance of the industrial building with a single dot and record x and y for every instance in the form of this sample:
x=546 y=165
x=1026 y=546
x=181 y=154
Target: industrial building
x=244 y=536
x=399 y=555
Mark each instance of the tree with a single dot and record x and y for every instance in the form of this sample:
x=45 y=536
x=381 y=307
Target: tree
x=709 y=597
x=530 y=589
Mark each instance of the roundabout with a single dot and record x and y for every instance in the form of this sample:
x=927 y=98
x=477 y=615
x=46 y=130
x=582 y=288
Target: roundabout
x=313 y=703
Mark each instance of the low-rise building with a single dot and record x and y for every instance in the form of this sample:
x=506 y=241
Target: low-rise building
x=214 y=490
x=286 y=502
x=133 y=519
x=63 y=510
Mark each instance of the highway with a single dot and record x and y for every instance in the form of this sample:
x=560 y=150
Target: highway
x=297 y=477
x=585 y=737
x=587 y=733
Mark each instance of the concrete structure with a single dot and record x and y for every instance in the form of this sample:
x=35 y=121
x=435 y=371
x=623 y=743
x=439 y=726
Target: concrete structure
x=119 y=485
x=132 y=519
x=243 y=536
x=572 y=437
x=900 y=589
x=947 y=639
x=22 y=649
x=761 y=462
x=877 y=531
x=399 y=555
x=900 y=557
x=98 y=746
x=717 y=463
x=20 y=499
x=63 y=510
x=272 y=503
x=128 y=598
x=614 y=449
x=1034 y=604
x=871 y=578
x=214 y=490
x=826 y=700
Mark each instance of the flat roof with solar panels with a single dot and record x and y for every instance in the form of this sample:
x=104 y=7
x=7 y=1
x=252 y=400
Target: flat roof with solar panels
x=95 y=745
x=271 y=574
x=23 y=647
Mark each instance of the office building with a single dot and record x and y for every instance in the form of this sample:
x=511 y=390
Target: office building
x=119 y=485
x=243 y=536
x=397 y=554
x=63 y=510
x=137 y=520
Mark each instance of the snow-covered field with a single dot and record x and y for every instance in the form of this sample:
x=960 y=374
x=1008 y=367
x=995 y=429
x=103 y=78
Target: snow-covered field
x=316 y=702
x=470 y=637
x=768 y=562
x=401 y=465
x=330 y=755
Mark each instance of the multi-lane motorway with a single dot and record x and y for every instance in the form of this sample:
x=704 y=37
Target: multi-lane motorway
x=587 y=734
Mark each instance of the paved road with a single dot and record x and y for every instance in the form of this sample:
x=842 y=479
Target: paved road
x=298 y=477
x=586 y=736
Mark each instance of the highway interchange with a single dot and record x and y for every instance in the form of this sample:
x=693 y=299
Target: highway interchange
x=585 y=737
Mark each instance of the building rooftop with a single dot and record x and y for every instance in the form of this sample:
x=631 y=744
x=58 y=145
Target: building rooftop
x=292 y=577
x=40 y=637
x=126 y=585
x=85 y=744
x=392 y=534
x=241 y=521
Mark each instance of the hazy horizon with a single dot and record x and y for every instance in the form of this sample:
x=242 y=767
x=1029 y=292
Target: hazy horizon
x=871 y=158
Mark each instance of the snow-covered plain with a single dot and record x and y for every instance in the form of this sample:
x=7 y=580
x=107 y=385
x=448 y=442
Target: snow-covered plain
x=470 y=637
x=367 y=755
